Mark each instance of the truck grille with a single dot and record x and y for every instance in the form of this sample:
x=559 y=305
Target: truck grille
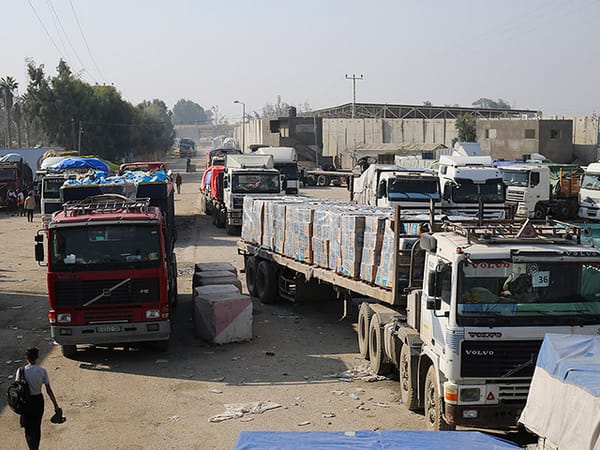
x=505 y=359
x=238 y=202
x=112 y=315
x=508 y=393
x=514 y=196
x=77 y=293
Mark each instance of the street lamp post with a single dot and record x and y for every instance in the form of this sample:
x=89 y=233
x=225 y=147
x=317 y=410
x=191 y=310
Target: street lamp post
x=243 y=125
x=354 y=78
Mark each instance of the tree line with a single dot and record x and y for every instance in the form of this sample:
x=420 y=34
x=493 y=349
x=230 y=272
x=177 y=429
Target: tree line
x=65 y=111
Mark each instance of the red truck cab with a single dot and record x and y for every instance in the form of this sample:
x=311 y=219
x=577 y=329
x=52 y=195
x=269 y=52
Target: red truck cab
x=111 y=279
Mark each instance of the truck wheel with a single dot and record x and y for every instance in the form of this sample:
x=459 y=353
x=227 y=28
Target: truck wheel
x=322 y=180
x=433 y=403
x=408 y=388
x=68 y=351
x=310 y=180
x=231 y=230
x=251 y=275
x=364 y=320
x=266 y=283
x=220 y=218
x=539 y=212
x=376 y=351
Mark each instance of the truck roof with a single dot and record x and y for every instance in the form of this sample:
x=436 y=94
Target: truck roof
x=101 y=209
x=249 y=161
x=280 y=154
x=466 y=161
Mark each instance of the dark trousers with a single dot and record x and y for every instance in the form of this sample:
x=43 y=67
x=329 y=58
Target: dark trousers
x=32 y=422
x=30 y=215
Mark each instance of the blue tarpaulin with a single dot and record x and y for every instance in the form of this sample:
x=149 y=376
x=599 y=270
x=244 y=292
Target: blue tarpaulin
x=78 y=163
x=371 y=440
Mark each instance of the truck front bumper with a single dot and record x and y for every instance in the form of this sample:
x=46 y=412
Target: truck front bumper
x=484 y=416
x=589 y=212
x=111 y=333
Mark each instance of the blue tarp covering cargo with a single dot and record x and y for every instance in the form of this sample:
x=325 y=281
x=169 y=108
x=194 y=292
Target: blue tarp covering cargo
x=78 y=163
x=563 y=406
x=371 y=440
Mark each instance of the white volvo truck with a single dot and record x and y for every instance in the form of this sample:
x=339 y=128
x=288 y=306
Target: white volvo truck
x=589 y=193
x=464 y=332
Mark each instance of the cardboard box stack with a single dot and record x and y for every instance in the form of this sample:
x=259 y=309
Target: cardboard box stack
x=321 y=237
x=352 y=235
x=372 y=243
x=298 y=231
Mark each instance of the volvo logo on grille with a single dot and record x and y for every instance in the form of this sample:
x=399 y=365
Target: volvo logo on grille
x=475 y=334
x=106 y=292
x=480 y=352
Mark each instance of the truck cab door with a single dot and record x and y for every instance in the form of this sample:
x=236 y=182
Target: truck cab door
x=435 y=307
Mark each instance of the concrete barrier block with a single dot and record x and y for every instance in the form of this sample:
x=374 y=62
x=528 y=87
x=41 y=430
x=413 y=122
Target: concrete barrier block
x=222 y=318
x=215 y=267
x=216 y=277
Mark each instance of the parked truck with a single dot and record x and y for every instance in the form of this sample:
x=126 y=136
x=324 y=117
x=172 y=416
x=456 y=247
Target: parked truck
x=535 y=190
x=461 y=317
x=467 y=181
x=589 y=193
x=286 y=162
x=187 y=148
x=389 y=185
x=242 y=175
x=112 y=276
x=14 y=174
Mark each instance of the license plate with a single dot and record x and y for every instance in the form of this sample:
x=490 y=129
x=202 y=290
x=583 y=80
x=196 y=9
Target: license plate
x=108 y=329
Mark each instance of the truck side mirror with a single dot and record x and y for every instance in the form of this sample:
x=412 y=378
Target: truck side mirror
x=535 y=179
x=446 y=194
x=284 y=183
x=381 y=189
x=39 y=251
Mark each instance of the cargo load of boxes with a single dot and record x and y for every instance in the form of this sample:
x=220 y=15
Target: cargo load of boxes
x=353 y=240
x=221 y=313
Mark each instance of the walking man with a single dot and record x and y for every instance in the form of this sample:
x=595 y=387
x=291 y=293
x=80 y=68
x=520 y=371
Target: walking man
x=30 y=206
x=32 y=419
x=178 y=182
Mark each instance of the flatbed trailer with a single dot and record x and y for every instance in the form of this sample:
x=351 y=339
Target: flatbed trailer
x=460 y=322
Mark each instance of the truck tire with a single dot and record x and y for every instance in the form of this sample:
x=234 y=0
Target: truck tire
x=323 y=180
x=434 y=416
x=251 y=275
x=539 y=212
x=408 y=385
x=231 y=230
x=68 y=351
x=220 y=218
x=266 y=283
x=377 y=356
x=364 y=320
x=310 y=180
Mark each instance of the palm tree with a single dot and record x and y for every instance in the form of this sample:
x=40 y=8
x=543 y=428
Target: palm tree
x=8 y=85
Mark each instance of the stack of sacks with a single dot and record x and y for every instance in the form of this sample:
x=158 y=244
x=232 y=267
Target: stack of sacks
x=352 y=235
x=221 y=314
x=298 y=231
x=372 y=243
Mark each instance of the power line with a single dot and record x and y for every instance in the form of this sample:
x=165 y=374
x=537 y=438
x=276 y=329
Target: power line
x=46 y=30
x=85 y=41
x=69 y=40
x=60 y=38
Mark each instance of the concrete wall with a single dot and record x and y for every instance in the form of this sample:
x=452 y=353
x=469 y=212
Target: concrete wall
x=506 y=138
x=585 y=139
x=556 y=140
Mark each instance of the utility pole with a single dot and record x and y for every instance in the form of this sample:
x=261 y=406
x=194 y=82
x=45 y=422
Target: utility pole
x=354 y=78
x=79 y=139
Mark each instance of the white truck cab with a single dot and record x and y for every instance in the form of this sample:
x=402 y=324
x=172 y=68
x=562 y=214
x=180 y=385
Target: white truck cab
x=527 y=188
x=589 y=193
x=286 y=161
x=388 y=185
x=465 y=180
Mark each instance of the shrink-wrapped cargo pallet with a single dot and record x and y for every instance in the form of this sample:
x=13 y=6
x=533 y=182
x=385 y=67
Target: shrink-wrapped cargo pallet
x=298 y=232
x=352 y=234
x=372 y=242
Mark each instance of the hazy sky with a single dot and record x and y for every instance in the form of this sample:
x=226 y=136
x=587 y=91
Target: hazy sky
x=537 y=54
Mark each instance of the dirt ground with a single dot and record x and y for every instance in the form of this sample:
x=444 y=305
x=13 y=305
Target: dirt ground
x=138 y=399
x=302 y=357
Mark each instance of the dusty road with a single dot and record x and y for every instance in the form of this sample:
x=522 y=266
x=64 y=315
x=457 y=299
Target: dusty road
x=137 y=399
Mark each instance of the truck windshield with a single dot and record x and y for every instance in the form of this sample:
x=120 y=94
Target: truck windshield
x=52 y=187
x=591 y=182
x=255 y=182
x=492 y=191
x=289 y=170
x=515 y=178
x=104 y=247
x=543 y=292
x=414 y=189
x=8 y=174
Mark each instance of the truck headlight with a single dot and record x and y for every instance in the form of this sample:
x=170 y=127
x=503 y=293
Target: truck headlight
x=152 y=314
x=470 y=394
x=65 y=317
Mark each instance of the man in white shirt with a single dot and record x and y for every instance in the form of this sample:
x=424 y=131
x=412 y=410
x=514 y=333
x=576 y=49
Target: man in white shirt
x=32 y=419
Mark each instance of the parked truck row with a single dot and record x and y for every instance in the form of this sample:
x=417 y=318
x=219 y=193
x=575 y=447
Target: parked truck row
x=112 y=271
x=463 y=316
